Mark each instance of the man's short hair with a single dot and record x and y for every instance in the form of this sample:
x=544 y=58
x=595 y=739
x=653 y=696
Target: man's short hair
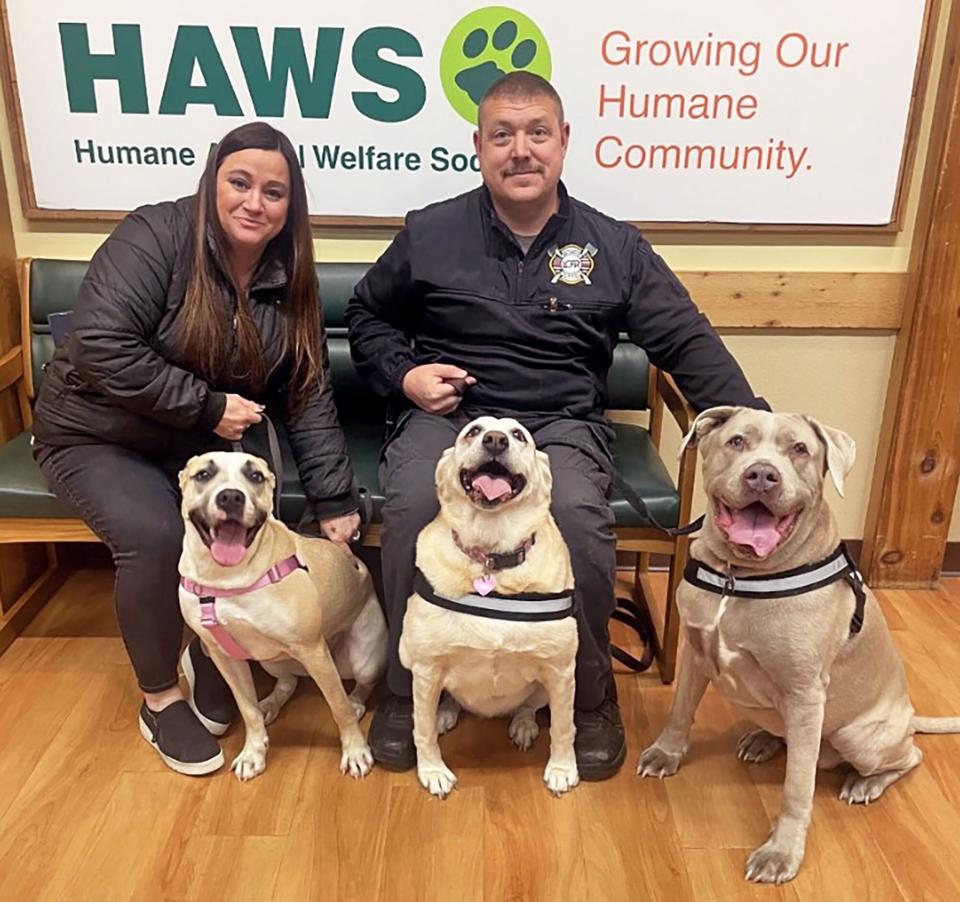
x=521 y=85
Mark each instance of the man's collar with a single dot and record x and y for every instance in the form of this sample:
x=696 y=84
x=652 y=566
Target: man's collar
x=554 y=223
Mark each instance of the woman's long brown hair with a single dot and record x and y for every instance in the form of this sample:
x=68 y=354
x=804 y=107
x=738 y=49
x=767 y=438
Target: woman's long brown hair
x=204 y=326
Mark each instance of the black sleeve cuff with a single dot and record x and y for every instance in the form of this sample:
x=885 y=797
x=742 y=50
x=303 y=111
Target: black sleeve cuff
x=337 y=506
x=212 y=411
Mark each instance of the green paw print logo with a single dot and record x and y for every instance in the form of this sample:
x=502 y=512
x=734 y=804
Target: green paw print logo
x=484 y=46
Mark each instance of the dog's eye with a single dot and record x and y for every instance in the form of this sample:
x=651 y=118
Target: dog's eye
x=735 y=441
x=519 y=436
x=256 y=476
x=202 y=475
x=473 y=433
x=801 y=449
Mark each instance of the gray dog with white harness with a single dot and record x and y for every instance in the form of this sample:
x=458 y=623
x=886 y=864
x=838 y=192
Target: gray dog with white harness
x=779 y=620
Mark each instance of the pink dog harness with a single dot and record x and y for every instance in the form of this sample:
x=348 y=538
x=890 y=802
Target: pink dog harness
x=208 y=595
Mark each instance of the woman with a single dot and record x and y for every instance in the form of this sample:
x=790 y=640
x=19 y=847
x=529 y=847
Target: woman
x=194 y=317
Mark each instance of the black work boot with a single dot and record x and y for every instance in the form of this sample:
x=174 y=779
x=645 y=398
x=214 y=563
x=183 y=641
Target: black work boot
x=391 y=734
x=600 y=744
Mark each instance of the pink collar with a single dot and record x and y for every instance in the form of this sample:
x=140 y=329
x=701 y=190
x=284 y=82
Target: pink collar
x=208 y=596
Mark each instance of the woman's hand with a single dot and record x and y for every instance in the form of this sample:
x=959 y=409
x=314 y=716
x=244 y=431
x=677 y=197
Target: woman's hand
x=342 y=530
x=238 y=416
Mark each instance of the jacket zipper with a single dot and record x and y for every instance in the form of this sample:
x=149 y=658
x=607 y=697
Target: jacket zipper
x=518 y=284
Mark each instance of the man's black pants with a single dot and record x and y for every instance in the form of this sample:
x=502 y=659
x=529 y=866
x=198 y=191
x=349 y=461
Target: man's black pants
x=580 y=507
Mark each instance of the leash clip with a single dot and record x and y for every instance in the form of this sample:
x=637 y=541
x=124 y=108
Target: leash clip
x=729 y=585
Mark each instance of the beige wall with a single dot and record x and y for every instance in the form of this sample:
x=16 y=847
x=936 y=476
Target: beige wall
x=839 y=378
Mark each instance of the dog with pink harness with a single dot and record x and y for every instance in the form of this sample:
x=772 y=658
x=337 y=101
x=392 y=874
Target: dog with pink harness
x=252 y=589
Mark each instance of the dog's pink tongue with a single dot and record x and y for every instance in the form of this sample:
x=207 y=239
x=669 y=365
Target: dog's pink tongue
x=493 y=487
x=755 y=527
x=228 y=546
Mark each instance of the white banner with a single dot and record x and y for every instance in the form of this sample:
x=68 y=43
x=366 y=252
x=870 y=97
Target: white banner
x=702 y=111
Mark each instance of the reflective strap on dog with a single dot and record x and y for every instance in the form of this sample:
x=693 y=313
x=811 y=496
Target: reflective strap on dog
x=786 y=583
x=531 y=606
x=208 y=595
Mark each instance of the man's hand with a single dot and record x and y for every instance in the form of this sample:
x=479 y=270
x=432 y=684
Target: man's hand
x=342 y=530
x=238 y=416
x=436 y=387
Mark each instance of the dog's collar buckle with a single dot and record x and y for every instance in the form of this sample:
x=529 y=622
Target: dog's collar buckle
x=491 y=561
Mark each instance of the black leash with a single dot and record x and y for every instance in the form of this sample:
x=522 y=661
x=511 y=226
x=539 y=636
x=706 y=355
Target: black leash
x=628 y=612
x=276 y=459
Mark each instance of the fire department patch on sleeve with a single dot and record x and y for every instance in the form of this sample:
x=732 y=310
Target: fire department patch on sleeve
x=572 y=264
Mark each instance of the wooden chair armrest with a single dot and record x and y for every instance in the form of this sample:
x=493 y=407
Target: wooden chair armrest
x=675 y=402
x=11 y=367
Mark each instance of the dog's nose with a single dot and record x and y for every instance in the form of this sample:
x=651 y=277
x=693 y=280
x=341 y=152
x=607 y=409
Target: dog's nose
x=231 y=501
x=762 y=477
x=495 y=442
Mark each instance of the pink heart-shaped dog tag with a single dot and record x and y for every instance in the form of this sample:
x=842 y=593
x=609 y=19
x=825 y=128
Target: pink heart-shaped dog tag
x=484 y=584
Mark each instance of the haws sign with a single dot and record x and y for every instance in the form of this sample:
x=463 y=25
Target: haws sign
x=704 y=111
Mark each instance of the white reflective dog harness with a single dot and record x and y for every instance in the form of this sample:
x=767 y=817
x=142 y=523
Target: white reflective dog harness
x=785 y=584
x=531 y=607
x=208 y=595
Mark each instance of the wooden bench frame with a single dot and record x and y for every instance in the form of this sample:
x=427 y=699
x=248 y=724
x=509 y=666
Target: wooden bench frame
x=16 y=369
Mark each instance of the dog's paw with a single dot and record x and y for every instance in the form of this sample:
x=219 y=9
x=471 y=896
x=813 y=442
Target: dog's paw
x=448 y=713
x=356 y=760
x=561 y=778
x=524 y=729
x=269 y=708
x=437 y=779
x=249 y=763
x=773 y=864
x=655 y=762
x=859 y=790
x=758 y=746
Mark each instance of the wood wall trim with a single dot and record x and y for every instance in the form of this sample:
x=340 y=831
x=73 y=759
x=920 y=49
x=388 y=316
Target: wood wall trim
x=918 y=459
x=822 y=301
x=799 y=300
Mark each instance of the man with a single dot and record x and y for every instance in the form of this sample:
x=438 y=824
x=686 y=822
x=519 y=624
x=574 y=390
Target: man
x=508 y=301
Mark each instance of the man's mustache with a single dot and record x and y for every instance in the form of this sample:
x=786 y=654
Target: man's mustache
x=524 y=171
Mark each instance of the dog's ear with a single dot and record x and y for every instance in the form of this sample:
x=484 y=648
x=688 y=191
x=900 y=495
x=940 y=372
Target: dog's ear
x=544 y=472
x=445 y=475
x=705 y=423
x=183 y=477
x=841 y=451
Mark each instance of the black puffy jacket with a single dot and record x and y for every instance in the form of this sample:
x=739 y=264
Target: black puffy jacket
x=121 y=377
x=536 y=330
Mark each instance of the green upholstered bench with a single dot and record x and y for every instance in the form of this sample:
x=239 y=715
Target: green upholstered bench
x=30 y=512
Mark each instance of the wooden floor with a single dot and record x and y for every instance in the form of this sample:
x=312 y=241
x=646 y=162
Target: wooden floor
x=88 y=811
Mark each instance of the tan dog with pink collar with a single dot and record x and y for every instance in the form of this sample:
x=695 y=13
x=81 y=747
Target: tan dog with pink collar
x=251 y=588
